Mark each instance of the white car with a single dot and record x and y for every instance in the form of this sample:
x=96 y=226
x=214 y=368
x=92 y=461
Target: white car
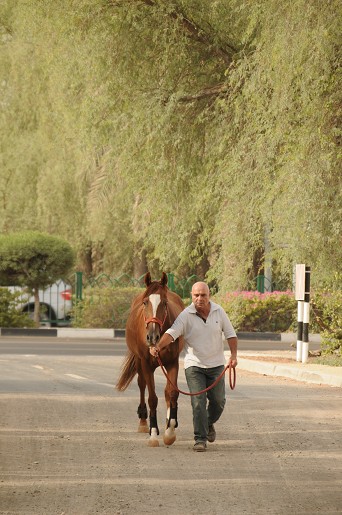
x=55 y=303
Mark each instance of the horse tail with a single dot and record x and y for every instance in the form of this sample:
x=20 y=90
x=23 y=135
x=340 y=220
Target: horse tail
x=128 y=371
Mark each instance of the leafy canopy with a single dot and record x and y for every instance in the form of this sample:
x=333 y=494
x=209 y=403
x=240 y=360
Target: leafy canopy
x=188 y=135
x=33 y=259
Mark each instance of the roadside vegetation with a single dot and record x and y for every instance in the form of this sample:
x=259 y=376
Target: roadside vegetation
x=184 y=136
x=10 y=315
x=180 y=135
x=248 y=312
x=104 y=307
x=332 y=360
x=108 y=307
x=35 y=261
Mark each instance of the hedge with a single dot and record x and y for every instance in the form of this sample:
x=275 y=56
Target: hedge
x=108 y=307
x=105 y=307
x=259 y=312
x=10 y=313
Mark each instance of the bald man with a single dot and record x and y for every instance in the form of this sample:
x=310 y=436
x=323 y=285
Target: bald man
x=202 y=324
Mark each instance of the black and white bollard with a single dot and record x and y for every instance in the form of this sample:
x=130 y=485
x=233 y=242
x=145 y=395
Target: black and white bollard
x=306 y=316
x=303 y=316
x=300 y=315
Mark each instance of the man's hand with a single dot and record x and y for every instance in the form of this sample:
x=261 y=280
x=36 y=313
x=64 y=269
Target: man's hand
x=165 y=340
x=153 y=351
x=233 y=362
x=233 y=343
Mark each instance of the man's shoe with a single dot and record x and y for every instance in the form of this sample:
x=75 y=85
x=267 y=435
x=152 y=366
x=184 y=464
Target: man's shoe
x=211 y=434
x=200 y=447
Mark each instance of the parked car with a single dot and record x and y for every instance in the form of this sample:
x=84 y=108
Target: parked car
x=55 y=303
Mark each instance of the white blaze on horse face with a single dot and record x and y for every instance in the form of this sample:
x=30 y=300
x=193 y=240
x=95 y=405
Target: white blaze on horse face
x=155 y=301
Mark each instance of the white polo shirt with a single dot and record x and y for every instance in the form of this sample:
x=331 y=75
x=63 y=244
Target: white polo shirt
x=204 y=346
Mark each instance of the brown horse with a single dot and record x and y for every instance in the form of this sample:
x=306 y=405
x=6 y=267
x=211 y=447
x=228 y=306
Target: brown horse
x=152 y=313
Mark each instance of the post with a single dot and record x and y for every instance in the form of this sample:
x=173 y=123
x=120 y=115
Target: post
x=306 y=316
x=300 y=287
x=268 y=257
x=300 y=330
x=260 y=283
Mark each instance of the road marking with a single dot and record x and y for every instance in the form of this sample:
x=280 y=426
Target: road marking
x=74 y=376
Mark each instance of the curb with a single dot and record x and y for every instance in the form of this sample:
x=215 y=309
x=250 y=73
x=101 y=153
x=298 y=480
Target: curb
x=68 y=332
x=71 y=332
x=315 y=374
x=260 y=336
x=63 y=332
x=22 y=331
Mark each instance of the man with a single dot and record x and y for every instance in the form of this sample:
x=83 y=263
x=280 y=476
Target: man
x=201 y=324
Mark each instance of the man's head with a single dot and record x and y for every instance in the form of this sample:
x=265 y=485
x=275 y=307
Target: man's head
x=200 y=295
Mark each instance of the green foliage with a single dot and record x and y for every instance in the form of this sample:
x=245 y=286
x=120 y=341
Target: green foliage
x=256 y=312
x=331 y=360
x=327 y=316
x=10 y=315
x=104 y=307
x=33 y=259
x=175 y=135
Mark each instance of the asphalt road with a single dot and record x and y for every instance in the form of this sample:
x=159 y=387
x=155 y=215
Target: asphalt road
x=103 y=347
x=69 y=445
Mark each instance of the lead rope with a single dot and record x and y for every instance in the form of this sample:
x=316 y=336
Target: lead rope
x=232 y=380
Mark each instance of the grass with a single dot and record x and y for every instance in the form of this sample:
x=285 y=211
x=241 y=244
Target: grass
x=329 y=359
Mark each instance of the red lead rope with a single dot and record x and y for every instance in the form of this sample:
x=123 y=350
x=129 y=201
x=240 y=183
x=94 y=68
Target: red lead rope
x=232 y=379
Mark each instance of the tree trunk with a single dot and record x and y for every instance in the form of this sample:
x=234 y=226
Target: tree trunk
x=140 y=265
x=36 y=314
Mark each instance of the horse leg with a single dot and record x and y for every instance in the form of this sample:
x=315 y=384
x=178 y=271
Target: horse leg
x=153 y=403
x=142 y=408
x=171 y=397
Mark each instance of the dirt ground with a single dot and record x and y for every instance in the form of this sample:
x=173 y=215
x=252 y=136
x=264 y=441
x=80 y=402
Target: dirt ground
x=69 y=446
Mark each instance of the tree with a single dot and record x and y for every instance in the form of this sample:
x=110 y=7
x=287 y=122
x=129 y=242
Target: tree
x=34 y=260
x=185 y=134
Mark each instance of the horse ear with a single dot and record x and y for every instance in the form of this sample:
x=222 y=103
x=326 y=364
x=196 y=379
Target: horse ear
x=147 y=279
x=163 y=280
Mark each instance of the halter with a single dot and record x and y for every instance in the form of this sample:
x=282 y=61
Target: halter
x=156 y=320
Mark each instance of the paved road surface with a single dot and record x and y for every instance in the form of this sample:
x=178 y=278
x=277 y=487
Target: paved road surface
x=68 y=443
x=103 y=347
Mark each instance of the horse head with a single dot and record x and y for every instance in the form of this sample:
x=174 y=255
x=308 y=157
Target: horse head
x=155 y=308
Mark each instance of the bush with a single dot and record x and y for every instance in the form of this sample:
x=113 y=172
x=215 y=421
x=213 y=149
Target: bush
x=108 y=307
x=260 y=312
x=10 y=315
x=104 y=307
x=327 y=318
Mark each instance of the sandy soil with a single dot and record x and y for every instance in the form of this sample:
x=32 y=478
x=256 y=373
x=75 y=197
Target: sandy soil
x=69 y=446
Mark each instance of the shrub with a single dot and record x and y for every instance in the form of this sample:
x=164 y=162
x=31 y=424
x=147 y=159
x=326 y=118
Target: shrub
x=10 y=315
x=104 y=307
x=327 y=317
x=260 y=312
x=34 y=260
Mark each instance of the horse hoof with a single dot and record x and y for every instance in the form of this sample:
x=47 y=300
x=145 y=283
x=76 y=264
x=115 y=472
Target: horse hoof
x=169 y=436
x=153 y=442
x=143 y=427
x=169 y=441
